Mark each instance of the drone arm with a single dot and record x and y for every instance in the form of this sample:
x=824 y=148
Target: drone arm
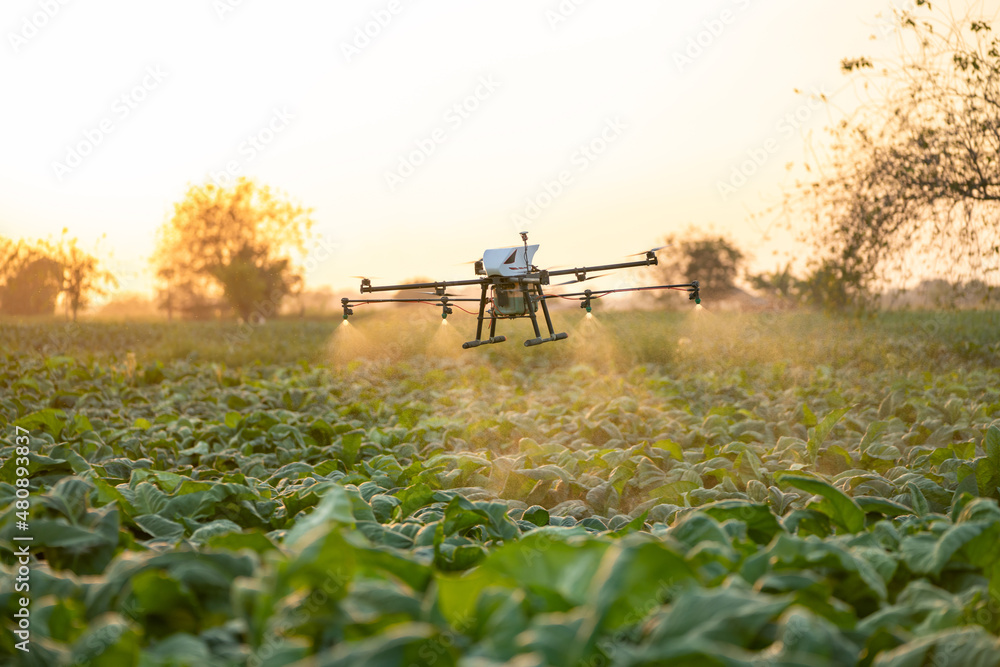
x=430 y=301
x=366 y=285
x=691 y=287
x=650 y=260
x=444 y=303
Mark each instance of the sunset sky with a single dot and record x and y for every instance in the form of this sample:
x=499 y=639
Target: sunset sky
x=597 y=126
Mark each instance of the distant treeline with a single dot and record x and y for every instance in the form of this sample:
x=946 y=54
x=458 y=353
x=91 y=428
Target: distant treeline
x=35 y=275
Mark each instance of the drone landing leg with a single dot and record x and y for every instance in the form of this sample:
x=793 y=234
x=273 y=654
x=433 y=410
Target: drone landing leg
x=538 y=340
x=548 y=320
x=479 y=327
x=531 y=313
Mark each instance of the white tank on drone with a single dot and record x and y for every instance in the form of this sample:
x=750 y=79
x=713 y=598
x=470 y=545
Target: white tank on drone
x=506 y=261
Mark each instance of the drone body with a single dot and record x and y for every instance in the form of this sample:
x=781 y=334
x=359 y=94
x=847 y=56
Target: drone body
x=511 y=287
x=507 y=262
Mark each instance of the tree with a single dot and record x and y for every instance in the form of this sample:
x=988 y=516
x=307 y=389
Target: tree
x=253 y=282
x=828 y=285
x=711 y=260
x=230 y=246
x=832 y=285
x=34 y=274
x=915 y=171
x=82 y=275
x=783 y=284
x=31 y=278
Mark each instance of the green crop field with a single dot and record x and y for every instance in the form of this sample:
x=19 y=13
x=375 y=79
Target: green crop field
x=660 y=489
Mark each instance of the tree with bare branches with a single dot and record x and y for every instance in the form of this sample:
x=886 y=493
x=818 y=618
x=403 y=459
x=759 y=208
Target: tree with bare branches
x=33 y=274
x=913 y=175
x=83 y=276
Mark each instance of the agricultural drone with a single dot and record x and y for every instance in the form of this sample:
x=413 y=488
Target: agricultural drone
x=511 y=287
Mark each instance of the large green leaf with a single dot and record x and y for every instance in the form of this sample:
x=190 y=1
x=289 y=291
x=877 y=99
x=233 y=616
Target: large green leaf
x=841 y=508
x=823 y=429
x=543 y=562
x=761 y=523
x=50 y=421
x=926 y=554
x=709 y=626
x=159 y=527
x=335 y=507
x=632 y=580
x=968 y=647
x=409 y=644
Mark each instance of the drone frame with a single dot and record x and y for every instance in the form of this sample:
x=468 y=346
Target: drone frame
x=527 y=287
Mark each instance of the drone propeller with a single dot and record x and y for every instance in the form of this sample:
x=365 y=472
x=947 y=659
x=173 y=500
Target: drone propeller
x=580 y=280
x=437 y=294
x=645 y=252
x=367 y=277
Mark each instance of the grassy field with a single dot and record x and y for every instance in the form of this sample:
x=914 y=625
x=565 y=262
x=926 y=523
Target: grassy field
x=682 y=489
